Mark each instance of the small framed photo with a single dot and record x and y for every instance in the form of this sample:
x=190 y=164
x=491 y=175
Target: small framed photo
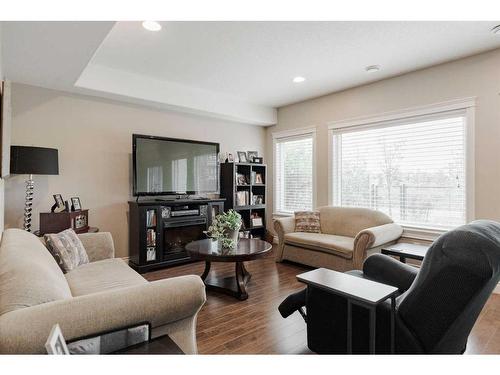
x=55 y=343
x=242 y=157
x=222 y=157
x=258 y=160
x=59 y=201
x=252 y=155
x=258 y=178
x=257 y=222
x=241 y=179
x=230 y=157
x=75 y=204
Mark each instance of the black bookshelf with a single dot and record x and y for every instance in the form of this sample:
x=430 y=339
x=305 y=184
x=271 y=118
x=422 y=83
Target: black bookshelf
x=243 y=185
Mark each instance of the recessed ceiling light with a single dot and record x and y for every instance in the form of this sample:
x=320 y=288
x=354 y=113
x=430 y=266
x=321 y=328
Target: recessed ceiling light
x=151 y=25
x=298 y=79
x=372 y=68
x=496 y=30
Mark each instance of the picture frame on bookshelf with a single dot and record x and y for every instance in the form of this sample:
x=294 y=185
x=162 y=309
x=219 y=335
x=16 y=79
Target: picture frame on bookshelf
x=251 y=155
x=257 y=220
x=242 y=157
x=258 y=160
x=230 y=157
x=241 y=179
x=257 y=199
x=258 y=178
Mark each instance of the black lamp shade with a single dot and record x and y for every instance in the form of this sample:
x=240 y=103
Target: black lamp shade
x=33 y=160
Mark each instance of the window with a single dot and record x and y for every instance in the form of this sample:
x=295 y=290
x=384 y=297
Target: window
x=414 y=169
x=294 y=172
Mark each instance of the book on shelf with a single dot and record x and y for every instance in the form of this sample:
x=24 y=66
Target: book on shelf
x=151 y=237
x=151 y=254
x=242 y=198
x=151 y=218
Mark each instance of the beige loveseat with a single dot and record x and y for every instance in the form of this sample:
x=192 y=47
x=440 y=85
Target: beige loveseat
x=104 y=295
x=348 y=235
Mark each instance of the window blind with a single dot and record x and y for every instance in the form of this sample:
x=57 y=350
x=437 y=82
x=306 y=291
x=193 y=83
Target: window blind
x=294 y=173
x=413 y=169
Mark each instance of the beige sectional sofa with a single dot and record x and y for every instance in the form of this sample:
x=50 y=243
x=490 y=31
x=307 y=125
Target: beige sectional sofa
x=348 y=235
x=104 y=295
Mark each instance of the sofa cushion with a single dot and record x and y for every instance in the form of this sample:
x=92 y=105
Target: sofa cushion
x=67 y=249
x=29 y=275
x=102 y=275
x=307 y=221
x=349 y=221
x=328 y=243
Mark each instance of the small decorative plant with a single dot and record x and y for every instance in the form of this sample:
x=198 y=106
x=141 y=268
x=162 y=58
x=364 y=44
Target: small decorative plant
x=225 y=228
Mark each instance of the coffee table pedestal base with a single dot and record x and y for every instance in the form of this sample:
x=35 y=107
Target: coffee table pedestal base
x=234 y=286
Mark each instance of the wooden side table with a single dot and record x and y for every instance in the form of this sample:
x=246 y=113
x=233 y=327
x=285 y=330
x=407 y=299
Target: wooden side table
x=365 y=293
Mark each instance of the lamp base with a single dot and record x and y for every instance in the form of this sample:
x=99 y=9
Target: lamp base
x=30 y=185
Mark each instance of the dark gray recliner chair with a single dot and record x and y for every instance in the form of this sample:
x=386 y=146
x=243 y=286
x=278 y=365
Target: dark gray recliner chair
x=438 y=305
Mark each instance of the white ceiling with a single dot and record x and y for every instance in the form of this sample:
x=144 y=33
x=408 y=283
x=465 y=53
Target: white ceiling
x=233 y=70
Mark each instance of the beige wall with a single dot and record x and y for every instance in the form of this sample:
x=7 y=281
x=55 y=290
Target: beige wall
x=474 y=76
x=94 y=139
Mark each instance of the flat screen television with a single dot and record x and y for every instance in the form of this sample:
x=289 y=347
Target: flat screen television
x=167 y=166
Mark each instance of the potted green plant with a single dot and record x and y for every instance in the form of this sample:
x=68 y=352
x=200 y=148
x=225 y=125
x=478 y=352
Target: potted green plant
x=225 y=227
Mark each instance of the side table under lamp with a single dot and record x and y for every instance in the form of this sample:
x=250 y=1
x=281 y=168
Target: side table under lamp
x=32 y=160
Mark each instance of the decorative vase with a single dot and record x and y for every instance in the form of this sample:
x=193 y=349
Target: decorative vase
x=232 y=234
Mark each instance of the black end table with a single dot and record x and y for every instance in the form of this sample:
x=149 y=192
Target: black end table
x=362 y=292
x=406 y=251
x=210 y=250
x=160 y=345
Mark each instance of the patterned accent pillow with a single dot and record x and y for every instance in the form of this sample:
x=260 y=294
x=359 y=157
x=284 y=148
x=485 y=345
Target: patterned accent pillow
x=67 y=249
x=307 y=221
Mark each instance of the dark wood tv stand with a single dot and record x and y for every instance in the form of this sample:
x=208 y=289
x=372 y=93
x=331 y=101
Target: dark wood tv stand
x=159 y=229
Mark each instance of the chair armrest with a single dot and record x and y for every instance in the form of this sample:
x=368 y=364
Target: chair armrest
x=99 y=245
x=387 y=270
x=283 y=226
x=159 y=302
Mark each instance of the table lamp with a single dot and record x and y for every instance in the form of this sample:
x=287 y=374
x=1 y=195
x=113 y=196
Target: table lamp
x=32 y=160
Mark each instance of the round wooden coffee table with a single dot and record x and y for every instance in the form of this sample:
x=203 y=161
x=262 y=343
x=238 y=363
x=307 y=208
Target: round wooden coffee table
x=212 y=251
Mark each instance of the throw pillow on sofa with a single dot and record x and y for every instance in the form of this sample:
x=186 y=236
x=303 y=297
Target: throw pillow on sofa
x=307 y=221
x=67 y=249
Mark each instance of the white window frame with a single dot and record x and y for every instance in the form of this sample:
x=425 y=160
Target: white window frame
x=465 y=104
x=283 y=135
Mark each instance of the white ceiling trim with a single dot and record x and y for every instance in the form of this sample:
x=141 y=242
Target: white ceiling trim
x=181 y=97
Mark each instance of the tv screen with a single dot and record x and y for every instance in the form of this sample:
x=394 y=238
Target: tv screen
x=165 y=166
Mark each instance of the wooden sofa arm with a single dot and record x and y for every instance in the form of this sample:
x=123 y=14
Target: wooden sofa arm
x=283 y=226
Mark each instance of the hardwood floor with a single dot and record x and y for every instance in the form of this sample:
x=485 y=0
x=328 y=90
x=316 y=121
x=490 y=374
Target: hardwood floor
x=254 y=326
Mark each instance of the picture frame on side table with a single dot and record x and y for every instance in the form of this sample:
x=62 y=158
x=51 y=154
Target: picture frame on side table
x=242 y=157
x=230 y=157
x=56 y=344
x=59 y=205
x=76 y=204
